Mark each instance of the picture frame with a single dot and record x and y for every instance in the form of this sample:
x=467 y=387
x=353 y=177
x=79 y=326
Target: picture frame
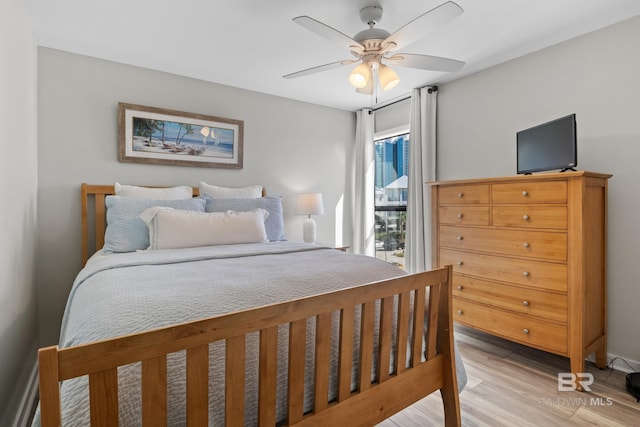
x=168 y=137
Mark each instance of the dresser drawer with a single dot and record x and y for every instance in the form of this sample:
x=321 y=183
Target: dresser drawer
x=515 y=298
x=530 y=273
x=455 y=194
x=464 y=215
x=530 y=192
x=530 y=216
x=547 y=245
x=526 y=330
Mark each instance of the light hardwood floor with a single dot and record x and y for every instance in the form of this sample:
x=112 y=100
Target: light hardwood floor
x=513 y=385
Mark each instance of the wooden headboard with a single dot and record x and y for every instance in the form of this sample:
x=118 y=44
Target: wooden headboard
x=94 y=215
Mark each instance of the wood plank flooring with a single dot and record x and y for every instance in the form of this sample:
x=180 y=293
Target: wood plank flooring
x=514 y=385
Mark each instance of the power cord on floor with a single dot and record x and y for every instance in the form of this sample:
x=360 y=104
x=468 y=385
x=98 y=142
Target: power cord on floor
x=610 y=364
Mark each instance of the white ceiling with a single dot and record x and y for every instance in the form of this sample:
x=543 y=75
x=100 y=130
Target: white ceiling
x=252 y=43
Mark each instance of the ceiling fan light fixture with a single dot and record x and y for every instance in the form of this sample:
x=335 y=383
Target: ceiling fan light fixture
x=368 y=89
x=360 y=76
x=387 y=77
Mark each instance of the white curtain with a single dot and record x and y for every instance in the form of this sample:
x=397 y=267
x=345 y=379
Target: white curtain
x=363 y=185
x=422 y=168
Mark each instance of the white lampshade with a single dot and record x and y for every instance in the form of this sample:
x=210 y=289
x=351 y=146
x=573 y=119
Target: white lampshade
x=360 y=75
x=309 y=204
x=387 y=77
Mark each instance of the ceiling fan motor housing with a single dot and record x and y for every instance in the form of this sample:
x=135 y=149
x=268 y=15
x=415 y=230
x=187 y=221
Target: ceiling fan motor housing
x=371 y=38
x=371 y=15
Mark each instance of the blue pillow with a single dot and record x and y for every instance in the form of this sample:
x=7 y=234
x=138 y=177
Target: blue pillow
x=126 y=231
x=274 y=224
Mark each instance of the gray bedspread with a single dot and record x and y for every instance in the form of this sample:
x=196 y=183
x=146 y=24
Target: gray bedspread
x=119 y=294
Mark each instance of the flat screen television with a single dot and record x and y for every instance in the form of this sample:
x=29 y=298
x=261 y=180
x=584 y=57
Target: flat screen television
x=548 y=146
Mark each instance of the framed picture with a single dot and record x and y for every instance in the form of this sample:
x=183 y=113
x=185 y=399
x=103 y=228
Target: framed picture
x=167 y=137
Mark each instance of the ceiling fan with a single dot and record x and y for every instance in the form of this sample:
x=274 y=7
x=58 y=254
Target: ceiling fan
x=373 y=47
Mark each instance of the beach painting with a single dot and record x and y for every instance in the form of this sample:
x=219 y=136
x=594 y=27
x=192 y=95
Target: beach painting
x=168 y=137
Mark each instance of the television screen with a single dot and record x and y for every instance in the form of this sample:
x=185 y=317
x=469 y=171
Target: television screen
x=548 y=146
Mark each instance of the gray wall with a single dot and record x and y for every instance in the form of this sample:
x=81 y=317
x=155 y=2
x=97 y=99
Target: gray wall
x=595 y=76
x=18 y=191
x=289 y=147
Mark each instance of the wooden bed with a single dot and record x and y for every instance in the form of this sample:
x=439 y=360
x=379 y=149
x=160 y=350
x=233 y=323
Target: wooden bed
x=428 y=347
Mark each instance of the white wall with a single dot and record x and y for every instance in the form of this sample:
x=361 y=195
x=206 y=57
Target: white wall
x=18 y=189
x=289 y=147
x=596 y=76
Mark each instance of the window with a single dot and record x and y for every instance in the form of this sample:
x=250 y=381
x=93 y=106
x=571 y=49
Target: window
x=391 y=168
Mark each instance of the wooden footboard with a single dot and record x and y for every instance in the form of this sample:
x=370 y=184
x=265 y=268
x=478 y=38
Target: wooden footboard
x=392 y=389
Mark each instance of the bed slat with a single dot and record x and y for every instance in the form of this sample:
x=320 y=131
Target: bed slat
x=93 y=195
x=84 y=224
x=103 y=398
x=418 y=326
x=268 y=375
x=345 y=358
x=101 y=220
x=432 y=330
x=323 y=347
x=366 y=345
x=403 y=332
x=297 y=345
x=234 y=381
x=384 y=346
x=154 y=391
x=198 y=385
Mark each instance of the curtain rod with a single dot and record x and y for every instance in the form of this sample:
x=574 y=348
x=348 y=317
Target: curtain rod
x=431 y=90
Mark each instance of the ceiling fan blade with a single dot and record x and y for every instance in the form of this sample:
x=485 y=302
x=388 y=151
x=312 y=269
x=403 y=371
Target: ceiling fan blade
x=423 y=25
x=425 y=62
x=320 y=68
x=329 y=33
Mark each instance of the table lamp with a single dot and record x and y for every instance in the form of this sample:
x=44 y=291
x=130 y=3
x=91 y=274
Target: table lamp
x=309 y=204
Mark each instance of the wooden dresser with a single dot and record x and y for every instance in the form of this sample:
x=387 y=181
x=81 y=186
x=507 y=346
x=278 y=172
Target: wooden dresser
x=528 y=255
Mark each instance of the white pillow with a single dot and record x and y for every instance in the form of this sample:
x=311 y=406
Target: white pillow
x=173 y=228
x=171 y=193
x=248 y=192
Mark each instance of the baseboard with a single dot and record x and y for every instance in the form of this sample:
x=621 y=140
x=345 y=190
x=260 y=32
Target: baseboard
x=619 y=363
x=27 y=402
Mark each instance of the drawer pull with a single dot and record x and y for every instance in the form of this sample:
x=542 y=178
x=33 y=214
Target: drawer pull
x=459 y=287
x=460 y=237
x=460 y=263
x=460 y=195
x=525 y=303
x=525 y=244
x=460 y=312
x=525 y=217
x=525 y=274
x=460 y=215
x=525 y=193
x=525 y=331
